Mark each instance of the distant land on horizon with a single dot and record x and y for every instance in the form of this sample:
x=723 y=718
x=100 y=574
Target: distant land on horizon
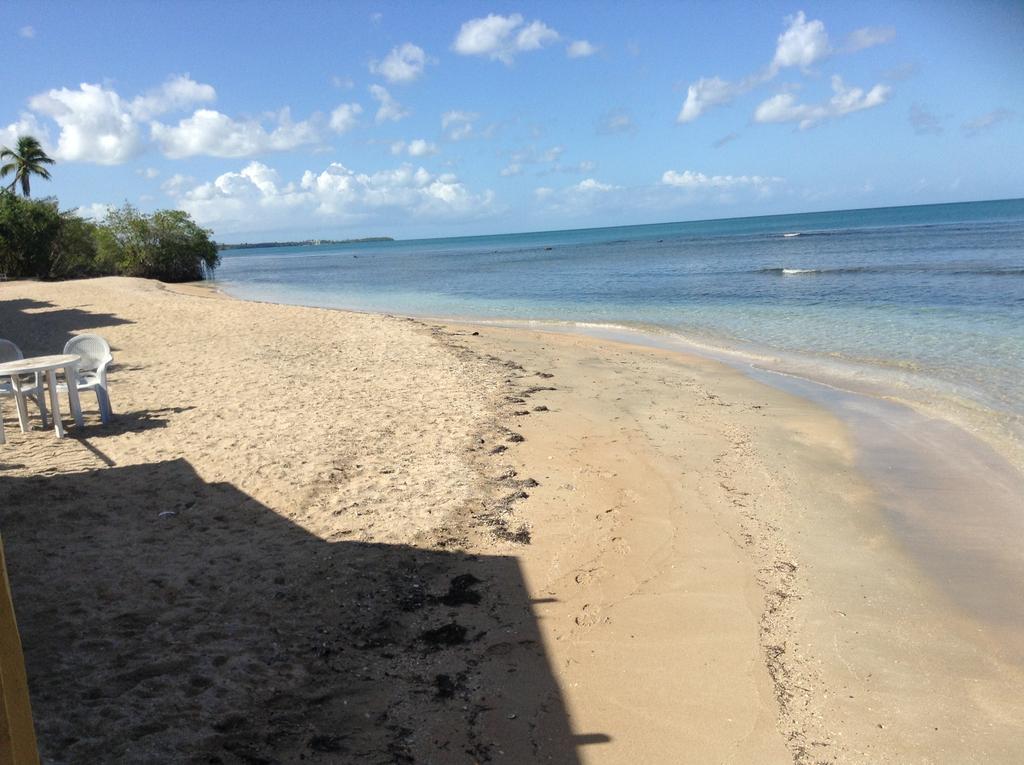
x=303 y=243
x=725 y=219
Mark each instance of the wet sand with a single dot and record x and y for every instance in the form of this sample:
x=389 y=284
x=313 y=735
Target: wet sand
x=340 y=537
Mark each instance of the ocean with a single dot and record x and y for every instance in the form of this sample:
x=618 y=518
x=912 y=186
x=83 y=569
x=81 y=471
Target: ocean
x=923 y=302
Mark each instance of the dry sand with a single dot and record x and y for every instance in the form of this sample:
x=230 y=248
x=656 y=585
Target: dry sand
x=322 y=536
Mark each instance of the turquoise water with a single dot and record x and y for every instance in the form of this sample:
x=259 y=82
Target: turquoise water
x=929 y=298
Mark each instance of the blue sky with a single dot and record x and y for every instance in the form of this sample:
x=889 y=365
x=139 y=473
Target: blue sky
x=281 y=120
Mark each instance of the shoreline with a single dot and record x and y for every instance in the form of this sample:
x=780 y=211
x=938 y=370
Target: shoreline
x=933 y=397
x=931 y=465
x=708 y=577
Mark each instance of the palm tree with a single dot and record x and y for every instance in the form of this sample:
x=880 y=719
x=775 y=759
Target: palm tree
x=27 y=160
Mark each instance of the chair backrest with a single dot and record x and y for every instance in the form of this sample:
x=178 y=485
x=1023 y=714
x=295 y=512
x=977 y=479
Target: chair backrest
x=94 y=350
x=9 y=351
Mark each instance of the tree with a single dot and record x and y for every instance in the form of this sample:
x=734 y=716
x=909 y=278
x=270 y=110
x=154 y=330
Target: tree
x=27 y=160
x=28 y=230
x=73 y=254
x=167 y=245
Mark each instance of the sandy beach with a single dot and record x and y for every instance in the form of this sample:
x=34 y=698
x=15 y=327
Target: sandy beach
x=324 y=536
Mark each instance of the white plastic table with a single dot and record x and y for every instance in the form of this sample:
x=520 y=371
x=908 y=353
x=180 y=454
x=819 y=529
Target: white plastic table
x=48 y=365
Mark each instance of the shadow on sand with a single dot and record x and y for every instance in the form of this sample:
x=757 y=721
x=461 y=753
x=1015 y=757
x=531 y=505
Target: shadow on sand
x=20 y=324
x=196 y=625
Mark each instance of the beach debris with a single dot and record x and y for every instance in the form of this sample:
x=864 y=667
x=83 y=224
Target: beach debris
x=536 y=389
x=326 y=744
x=461 y=591
x=541 y=408
x=450 y=634
x=499 y=449
x=520 y=536
x=545 y=375
x=476 y=334
x=520 y=413
x=445 y=686
x=516 y=438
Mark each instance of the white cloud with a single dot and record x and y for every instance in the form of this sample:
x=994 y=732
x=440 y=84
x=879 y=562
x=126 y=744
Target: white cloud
x=703 y=94
x=868 y=37
x=845 y=100
x=418 y=147
x=590 y=184
x=502 y=37
x=389 y=109
x=458 y=125
x=149 y=173
x=96 y=125
x=256 y=195
x=27 y=32
x=345 y=117
x=801 y=44
x=421 y=148
x=253 y=194
x=179 y=92
x=980 y=124
x=27 y=124
x=345 y=83
x=689 y=179
x=340 y=191
x=534 y=36
x=209 y=132
x=96 y=211
x=404 y=63
x=580 y=49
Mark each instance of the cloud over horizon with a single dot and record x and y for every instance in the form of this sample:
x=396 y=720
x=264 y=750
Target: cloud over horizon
x=256 y=196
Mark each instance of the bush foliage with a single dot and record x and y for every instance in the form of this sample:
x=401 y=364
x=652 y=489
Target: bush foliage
x=37 y=240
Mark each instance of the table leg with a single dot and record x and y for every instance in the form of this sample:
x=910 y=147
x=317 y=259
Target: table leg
x=51 y=380
x=71 y=375
x=22 y=409
x=3 y=438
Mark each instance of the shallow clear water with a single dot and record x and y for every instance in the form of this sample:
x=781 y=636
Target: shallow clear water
x=928 y=297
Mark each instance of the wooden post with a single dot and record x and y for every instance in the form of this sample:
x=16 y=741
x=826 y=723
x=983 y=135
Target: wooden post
x=17 y=734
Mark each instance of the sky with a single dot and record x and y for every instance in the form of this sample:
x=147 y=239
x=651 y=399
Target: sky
x=273 y=121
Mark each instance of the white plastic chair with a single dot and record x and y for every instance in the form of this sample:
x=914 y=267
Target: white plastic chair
x=95 y=356
x=22 y=386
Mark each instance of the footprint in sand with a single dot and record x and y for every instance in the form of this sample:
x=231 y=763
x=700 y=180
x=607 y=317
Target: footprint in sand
x=590 y=615
x=588 y=575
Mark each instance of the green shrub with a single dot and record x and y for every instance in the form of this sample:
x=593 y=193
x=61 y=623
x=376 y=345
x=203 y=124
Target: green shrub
x=74 y=250
x=39 y=241
x=28 y=230
x=167 y=245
